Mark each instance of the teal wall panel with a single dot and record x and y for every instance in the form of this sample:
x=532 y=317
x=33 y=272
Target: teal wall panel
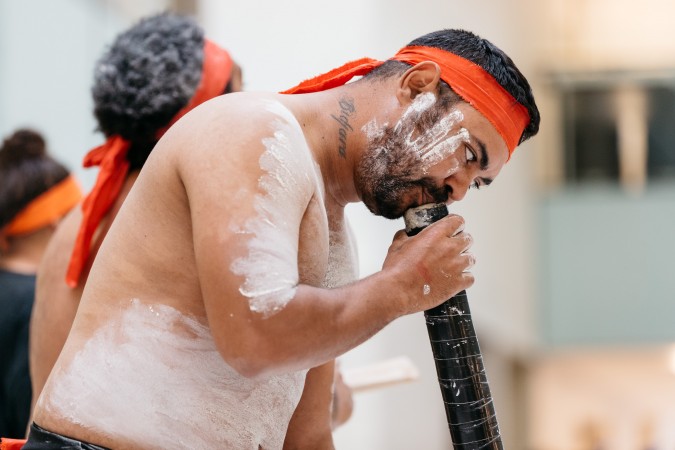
x=606 y=266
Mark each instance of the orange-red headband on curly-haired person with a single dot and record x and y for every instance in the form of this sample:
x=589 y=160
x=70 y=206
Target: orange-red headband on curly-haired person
x=111 y=157
x=470 y=81
x=47 y=208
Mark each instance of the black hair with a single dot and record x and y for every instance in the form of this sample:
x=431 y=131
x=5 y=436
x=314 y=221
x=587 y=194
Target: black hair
x=26 y=171
x=483 y=53
x=147 y=75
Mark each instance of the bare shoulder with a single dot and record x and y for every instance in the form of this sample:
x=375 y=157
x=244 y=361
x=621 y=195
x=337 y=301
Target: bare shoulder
x=229 y=124
x=226 y=145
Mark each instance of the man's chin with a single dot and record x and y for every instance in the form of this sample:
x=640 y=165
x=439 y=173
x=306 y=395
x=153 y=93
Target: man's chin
x=386 y=211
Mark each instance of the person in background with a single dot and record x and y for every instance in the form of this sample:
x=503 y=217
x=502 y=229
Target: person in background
x=36 y=191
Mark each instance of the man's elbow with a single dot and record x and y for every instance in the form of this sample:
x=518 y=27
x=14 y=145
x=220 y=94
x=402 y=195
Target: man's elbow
x=252 y=368
x=255 y=360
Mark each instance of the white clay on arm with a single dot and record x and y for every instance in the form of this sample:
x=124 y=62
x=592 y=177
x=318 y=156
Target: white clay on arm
x=247 y=204
x=290 y=178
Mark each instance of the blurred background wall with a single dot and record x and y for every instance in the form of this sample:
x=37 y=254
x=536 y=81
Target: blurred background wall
x=573 y=300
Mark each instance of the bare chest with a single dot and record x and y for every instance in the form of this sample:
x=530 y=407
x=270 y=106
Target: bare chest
x=326 y=252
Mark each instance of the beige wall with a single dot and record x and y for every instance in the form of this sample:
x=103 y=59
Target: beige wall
x=605 y=34
x=625 y=397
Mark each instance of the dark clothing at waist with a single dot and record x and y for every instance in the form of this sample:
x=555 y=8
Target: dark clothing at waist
x=41 y=439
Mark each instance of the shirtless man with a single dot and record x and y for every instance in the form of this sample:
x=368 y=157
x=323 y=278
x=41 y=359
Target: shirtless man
x=210 y=306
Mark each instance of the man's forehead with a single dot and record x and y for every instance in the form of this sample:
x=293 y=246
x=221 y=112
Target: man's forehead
x=483 y=133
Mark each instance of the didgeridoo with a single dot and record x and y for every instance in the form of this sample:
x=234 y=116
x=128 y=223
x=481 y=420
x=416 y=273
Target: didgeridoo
x=459 y=364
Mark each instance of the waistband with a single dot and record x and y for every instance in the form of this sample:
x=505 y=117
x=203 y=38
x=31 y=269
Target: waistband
x=41 y=439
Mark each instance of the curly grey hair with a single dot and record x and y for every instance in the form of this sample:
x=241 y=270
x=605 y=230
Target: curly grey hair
x=146 y=76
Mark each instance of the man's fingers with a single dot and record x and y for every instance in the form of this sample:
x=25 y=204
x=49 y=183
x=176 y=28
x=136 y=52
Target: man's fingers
x=469 y=260
x=451 y=225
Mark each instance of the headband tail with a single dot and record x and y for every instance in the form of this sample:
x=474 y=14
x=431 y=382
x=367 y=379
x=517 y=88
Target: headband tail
x=114 y=167
x=336 y=77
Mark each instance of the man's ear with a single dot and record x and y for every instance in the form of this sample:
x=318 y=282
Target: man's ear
x=420 y=78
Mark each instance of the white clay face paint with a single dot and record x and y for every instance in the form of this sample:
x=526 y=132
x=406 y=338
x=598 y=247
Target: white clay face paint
x=153 y=376
x=434 y=145
x=291 y=177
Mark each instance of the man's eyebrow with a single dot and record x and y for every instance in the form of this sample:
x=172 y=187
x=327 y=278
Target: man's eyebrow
x=486 y=181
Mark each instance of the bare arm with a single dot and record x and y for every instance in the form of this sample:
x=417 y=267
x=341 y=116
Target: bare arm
x=319 y=324
x=310 y=426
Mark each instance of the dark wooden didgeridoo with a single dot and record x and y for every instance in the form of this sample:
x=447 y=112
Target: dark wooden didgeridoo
x=459 y=364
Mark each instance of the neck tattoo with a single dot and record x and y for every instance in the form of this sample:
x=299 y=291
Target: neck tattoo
x=347 y=108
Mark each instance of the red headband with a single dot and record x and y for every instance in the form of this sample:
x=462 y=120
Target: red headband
x=111 y=157
x=46 y=208
x=470 y=81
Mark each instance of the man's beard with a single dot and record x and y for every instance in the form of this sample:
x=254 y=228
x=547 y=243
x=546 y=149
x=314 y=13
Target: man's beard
x=388 y=172
x=389 y=176
x=388 y=195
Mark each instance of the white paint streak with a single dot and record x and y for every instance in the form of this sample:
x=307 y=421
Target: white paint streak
x=456 y=310
x=434 y=145
x=154 y=377
x=290 y=179
x=420 y=104
x=373 y=129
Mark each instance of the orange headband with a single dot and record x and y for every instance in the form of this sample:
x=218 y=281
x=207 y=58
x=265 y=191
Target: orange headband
x=46 y=208
x=467 y=79
x=216 y=73
x=111 y=157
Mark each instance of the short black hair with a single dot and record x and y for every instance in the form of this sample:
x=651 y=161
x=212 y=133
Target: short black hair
x=486 y=55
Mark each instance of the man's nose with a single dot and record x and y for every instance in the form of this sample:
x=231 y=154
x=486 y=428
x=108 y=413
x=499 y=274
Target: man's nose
x=459 y=186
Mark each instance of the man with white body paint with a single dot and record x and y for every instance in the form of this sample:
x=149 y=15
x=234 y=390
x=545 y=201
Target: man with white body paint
x=224 y=290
